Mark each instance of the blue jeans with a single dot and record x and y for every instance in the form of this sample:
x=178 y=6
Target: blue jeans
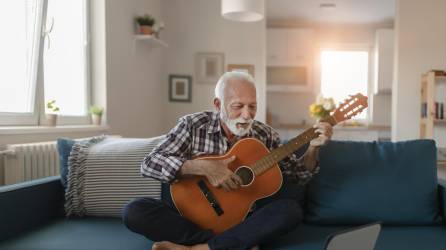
x=160 y=221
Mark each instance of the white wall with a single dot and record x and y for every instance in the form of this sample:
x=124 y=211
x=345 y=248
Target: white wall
x=420 y=45
x=133 y=79
x=196 y=26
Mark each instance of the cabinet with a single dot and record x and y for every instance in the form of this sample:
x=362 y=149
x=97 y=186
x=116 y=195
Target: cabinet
x=383 y=61
x=289 y=59
x=433 y=101
x=289 y=47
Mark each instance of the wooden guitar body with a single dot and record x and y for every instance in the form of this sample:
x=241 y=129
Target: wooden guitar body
x=230 y=208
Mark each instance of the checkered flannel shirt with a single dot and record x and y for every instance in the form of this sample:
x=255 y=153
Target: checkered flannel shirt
x=200 y=134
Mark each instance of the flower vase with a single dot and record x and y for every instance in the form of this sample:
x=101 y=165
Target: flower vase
x=51 y=119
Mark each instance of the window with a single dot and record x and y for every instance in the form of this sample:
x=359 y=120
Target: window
x=44 y=57
x=343 y=73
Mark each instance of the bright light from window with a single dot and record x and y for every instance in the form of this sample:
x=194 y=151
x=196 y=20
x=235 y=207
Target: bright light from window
x=18 y=53
x=344 y=73
x=65 y=60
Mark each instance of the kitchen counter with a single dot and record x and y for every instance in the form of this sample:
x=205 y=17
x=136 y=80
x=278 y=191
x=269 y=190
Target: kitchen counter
x=341 y=132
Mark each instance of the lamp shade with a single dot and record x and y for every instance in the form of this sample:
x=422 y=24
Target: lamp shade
x=243 y=10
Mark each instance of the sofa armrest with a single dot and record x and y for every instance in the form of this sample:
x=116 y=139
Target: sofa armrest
x=27 y=205
x=442 y=197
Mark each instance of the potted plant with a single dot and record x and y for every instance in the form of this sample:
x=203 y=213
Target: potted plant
x=51 y=114
x=145 y=24
x=96 y=114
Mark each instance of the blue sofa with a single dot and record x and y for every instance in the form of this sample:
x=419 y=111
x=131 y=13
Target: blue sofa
x=359 y=183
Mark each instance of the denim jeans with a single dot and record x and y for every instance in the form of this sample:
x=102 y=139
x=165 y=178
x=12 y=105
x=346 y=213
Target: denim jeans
x=160 y=221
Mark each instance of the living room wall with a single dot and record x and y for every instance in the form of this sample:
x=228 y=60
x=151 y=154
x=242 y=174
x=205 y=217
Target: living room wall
x=420 y=45
x=196 y=26
x=133 y=78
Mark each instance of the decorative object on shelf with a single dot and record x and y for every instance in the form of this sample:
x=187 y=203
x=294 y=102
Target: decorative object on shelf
x=180 y=88
x=158 y=28
x=209 y=67
x=243 y=10
x=322 y=107
x=145 y=24
x=432 y=103
x=247 y=68
x=96 y=114
x=51 y=114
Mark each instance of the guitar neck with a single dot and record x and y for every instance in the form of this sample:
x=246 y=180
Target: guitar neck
x=287 y=149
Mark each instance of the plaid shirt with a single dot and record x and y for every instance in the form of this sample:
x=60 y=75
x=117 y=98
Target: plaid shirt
x=200 y=134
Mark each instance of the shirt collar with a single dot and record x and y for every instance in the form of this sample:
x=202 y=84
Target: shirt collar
x=215 y=125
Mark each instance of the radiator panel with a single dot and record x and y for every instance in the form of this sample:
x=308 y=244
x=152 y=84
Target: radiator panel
x=31 y=161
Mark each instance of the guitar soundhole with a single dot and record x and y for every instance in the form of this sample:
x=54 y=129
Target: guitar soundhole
x=245 y=174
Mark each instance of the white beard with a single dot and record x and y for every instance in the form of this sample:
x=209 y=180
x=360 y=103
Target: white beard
x=232 y=124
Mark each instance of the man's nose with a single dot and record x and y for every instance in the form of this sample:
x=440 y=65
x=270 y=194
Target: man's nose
x=246 y=114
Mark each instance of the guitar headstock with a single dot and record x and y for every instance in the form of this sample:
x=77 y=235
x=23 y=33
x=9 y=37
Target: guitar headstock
x=351 y=106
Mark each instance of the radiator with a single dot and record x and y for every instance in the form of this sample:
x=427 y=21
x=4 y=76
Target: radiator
x=24 y=162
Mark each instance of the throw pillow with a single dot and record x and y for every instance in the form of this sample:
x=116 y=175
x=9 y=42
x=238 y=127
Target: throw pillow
x=361 y=182
x=104 y=174
x=64 y=146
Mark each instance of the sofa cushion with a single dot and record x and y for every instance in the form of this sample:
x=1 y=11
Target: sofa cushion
x=74 y=234
x=104 y=174
x=362 y=182
x=313 y=237
x=64 y=146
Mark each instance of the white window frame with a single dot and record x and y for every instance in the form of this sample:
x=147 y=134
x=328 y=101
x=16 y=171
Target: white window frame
x=350 y=47
x=37 y=117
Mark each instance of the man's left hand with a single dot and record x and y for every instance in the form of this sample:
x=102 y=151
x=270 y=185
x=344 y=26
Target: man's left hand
x=325 y=131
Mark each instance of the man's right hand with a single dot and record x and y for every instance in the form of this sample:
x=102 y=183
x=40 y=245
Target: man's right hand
x=216 y=171
x=219 y=175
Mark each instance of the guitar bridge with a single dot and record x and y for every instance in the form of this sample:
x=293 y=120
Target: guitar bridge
x=210 y=198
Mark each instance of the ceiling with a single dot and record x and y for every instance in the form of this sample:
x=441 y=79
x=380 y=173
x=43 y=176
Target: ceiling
x=346 y=11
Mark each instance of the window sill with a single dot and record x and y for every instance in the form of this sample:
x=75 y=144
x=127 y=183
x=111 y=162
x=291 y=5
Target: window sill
x=13 y=130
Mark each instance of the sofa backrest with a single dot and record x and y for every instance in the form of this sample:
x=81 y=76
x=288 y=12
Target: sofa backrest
x=362 y=182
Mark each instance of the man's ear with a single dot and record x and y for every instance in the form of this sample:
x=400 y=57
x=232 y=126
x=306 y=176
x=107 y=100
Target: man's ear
x=217 y=104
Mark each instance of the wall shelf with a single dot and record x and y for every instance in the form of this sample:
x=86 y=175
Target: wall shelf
x=150 y=39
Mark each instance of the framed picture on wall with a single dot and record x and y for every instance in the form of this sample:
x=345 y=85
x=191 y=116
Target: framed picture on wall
x=180 y=88
x=247 y=68
x=209 y=67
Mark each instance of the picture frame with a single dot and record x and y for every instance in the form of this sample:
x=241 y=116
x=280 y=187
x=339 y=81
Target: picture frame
x=209 y=67
x=247 y=68
x=180 y=88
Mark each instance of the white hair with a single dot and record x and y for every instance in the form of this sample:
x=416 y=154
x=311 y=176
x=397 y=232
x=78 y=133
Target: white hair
x=221 y=84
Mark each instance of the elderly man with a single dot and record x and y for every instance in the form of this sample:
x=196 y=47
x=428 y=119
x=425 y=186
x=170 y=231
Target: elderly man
x=214 y=133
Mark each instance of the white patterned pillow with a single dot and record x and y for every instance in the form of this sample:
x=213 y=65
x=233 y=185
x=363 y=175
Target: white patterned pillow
x=104 y=174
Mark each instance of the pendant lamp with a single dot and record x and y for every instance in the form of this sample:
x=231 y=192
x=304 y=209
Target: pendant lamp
x=243 y=10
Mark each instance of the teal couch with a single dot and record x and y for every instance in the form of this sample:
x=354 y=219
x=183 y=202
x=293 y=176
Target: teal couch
x=359 y=183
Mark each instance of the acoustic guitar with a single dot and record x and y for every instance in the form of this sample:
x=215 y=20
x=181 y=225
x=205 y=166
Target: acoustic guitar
x=213 y=208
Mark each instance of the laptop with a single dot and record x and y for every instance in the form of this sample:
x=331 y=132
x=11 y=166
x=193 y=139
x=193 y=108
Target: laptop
x=358 y=238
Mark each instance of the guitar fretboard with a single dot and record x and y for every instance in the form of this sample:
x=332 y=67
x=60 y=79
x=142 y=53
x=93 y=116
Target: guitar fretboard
x=289 y=148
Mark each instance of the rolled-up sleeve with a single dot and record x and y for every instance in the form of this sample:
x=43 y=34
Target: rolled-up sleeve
x=166 y=159
x=293 y=166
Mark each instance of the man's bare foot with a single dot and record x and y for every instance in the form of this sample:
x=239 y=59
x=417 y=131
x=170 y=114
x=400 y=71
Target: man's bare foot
x=167 y=245
x=255 y=248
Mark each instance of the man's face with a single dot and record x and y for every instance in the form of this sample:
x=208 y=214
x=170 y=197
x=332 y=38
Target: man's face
x=239 y=106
